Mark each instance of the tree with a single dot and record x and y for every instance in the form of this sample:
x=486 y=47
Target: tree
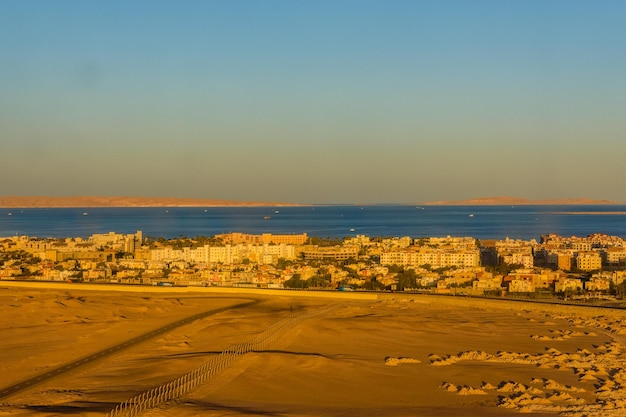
x=283 y=263
x=619 y=289
x=318 y=281
x=503 y=268
x=406 y=279
x=373 y=285
x=294 y=282
x=327 y=241
x=395 y=268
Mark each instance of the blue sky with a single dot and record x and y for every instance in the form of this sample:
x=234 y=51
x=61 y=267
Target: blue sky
x=313 y=101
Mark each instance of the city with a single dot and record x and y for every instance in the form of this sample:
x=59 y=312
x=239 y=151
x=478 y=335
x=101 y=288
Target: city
x=591 y=267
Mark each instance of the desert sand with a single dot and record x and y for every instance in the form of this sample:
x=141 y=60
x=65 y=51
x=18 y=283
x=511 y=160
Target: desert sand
x=398 y=355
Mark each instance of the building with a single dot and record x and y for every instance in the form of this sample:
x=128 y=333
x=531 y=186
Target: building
x=434 y=257
x=338 y=253
x=568 y=284
x=588 y=261
x=525 y=259
x=265 y=238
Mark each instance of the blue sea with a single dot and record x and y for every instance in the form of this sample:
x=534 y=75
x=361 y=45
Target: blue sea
x=482 y=222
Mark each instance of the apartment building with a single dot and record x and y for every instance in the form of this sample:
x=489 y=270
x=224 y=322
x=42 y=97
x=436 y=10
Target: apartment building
x=435 y=257
x=517 y=258
x=339 y=253
x=265 y=238
x=614 y=257
x=448 y=241
x=588 y=261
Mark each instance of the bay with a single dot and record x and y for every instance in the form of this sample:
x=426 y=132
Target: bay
x=482 y=222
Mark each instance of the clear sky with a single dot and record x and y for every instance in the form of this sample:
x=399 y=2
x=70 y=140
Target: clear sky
x=314 y=101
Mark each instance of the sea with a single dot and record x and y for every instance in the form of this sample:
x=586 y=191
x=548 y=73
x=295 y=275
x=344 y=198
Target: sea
x=482 y=222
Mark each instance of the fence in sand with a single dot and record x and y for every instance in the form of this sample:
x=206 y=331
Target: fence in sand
x=185 y=383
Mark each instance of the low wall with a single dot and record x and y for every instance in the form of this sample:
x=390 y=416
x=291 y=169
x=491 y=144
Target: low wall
x=350 y=295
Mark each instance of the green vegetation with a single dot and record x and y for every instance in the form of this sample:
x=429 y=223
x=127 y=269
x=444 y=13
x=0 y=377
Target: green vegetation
x=324 y=241
x=406 y=279
x=503 y=268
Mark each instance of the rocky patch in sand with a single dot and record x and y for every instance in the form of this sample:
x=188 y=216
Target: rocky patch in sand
x=602 y=368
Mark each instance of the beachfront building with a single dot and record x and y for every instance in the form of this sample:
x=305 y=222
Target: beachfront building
x=396 y=242
x=599 y=240
x=455 y=242
x=265 y=238
x=116 y=241
x=359 y=240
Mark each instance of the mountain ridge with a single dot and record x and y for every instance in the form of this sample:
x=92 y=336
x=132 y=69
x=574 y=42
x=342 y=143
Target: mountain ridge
x=122 y=201
x=119 y=201
x=518 y=201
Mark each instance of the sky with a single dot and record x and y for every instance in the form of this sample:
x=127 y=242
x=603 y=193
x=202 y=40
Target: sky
x=313 y=101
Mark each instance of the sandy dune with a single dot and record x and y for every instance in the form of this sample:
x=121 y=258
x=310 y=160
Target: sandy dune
x=398 y=356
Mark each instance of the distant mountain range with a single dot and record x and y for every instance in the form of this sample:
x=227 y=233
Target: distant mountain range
x=98 y=201
x=516 y=201
x=104 y=201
